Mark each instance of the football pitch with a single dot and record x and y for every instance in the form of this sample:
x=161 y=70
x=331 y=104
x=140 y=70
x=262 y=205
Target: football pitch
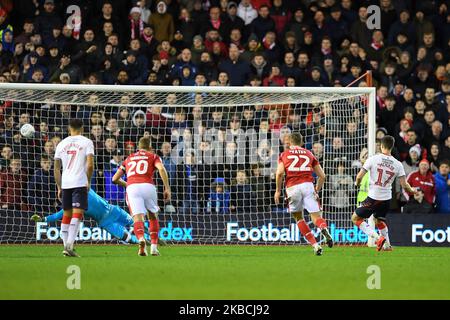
x=224 y=272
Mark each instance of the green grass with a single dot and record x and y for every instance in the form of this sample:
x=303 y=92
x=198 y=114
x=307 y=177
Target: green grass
x=224 y=272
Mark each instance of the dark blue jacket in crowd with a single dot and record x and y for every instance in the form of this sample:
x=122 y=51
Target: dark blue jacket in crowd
x=42 y=191
x=442 y=193
x=238 y=72
x=113 y=192
x=219 y=202
x=177 y=69
x=242 y=198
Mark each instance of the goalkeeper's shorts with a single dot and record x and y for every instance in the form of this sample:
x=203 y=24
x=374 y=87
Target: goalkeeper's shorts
x=302 y=196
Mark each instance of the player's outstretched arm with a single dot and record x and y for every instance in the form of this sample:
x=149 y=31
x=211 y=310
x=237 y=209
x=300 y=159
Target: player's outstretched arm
x=320 y=177
x=117 y=178
x=165 y=178
x=406 y=186
x=51 y=218
x=54 y=217
x=360 y=176
x=279 y=182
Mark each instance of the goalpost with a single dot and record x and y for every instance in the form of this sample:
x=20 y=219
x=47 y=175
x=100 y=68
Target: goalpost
x=219 y=144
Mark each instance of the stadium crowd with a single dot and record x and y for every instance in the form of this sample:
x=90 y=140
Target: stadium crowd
x=228 y=43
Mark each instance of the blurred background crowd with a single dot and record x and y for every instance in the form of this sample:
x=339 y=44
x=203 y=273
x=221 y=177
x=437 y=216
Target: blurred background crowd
x=229 y=43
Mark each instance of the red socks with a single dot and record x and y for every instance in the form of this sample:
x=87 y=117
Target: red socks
x=306 y=232
x=381 y=225
x=66 y=220
x=139 y=229
x=154 y=231
x=321 y=223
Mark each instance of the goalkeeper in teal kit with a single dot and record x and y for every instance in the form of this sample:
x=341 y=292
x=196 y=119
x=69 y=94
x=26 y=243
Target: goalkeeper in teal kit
x=112 y=218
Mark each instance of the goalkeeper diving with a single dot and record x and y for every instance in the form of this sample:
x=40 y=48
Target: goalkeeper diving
x=109 y=217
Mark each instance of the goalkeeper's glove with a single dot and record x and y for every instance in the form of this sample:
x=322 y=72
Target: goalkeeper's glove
x=36 y=218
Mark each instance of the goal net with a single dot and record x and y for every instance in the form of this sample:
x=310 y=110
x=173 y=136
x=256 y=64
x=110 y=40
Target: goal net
x=220 y=146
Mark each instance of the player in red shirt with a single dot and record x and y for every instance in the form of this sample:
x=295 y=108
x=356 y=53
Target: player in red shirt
x=299 y=164
x=141 y=192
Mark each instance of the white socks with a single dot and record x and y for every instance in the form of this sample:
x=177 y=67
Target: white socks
x=364 y=226
x=64 y=233
x=73 y=230
x=385 y=233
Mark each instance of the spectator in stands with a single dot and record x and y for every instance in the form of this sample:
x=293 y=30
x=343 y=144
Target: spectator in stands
x=190 y=184
x=363 y=155
x=137 y=130
x=337 y=24
x=246 y=12
x=410 y=165
x=6 y=156
x=106 y=154
x=12 y=185
x=437 y=134
x=411 y=139
x=162 y=22
x=47 y=19
x=185 y=61
x=49 y=150
x=96 y=135
x=435 y=156
x=219 y=197
x=446 y=148
x=389 y=116
x=66 y=66
x=418 y=204
x=275 y=78
x=217 y=120
x=272 y=50
x=237 y=69
x=359 y=30
x=263 y=23
x=341 y=187
x=259 y=66
x=442 y=179
x=248 y=118
x=317 y=150
x=241 y=191
x=234 y=22
x=169 y=164
x=424 y=179
x=42 y=188
x=316 y=79
x=113 y=193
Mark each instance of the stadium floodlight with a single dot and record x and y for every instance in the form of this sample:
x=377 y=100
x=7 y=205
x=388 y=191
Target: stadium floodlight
x=221 y=143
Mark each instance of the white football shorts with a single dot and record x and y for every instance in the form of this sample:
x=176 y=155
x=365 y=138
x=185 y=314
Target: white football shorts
x=302 y=196
x=142 y=197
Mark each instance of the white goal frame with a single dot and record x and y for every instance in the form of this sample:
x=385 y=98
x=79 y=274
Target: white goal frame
x=277 y=92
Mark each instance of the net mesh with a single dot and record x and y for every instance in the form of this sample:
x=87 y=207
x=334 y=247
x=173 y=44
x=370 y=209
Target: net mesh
x=220 y=149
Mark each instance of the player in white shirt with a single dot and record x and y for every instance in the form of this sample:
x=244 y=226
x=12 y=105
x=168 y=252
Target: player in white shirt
x=75 y=154
x=383 y=169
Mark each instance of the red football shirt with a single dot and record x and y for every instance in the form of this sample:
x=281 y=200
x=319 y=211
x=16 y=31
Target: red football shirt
x=140 y=167
x=426 y=183
x=299 y=165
